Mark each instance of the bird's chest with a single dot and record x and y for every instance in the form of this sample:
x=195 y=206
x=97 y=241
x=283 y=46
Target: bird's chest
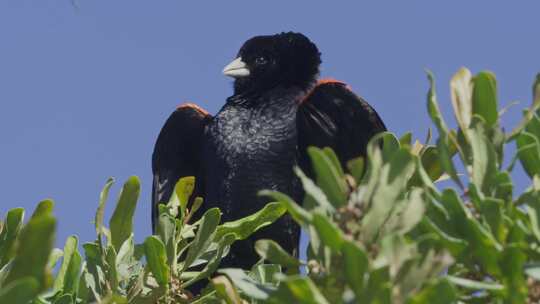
x=242 y=137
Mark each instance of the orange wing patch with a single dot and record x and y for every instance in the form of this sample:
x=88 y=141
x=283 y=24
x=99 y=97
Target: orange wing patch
x=193 y=106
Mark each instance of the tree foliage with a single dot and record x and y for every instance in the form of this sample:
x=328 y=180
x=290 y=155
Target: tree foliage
x=382 y=230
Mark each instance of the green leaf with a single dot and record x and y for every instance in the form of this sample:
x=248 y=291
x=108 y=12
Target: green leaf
x=204 y=236
x=213 y=263
x=484 y=98
x=44 y=207
x=328 y=232
x=328 y=177
x=406 y=139
x=226 y=290
x=55 y=255
x=431 y=163
x=484 y=167
x=441 y=292
x=461 y=88
x=266 y=273
x=103 y=196
x=512 y=262
x=35 y=245
x=121 y=223
x=10 y=230
x=156 y=257
x=66 y=279
x=20 y=291
x=300 y=215
x=390 y=145
x=125 y=260
x=529 y=153
x=392 y=182
x=246 y=284
x=433 y=107
x=474 y=285
x=110 y=268
x=445 y=158
x=313 y=193
x=246 y=226
x=66 y=299
x=167 y=232
x=272 y=252
x=355 y=266
x=182 y=192
x=299 y=289
x=335 y=160
x=356 y=167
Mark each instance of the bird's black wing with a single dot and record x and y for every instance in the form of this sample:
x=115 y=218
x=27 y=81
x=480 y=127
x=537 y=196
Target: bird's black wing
x=331 y=115
x=177 y=153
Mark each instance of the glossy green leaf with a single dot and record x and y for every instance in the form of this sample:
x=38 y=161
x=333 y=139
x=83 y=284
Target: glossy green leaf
x=313 y=192
x=406 y=139
x=430 y=162
x=272 y=252
x=213 y=263
x=246 y=226
x=329 y=234
x=69 y=262
x=121 y=223
x=226 y=290
x=167 y=232
x=390 y=145
x=484 y=98
x=111 y=271
x=35 y=245
x=21 y=291
x=156 y=258
x=100 y=212
x=182 y=192
x=299 y=289
x=204 y=236
x=300 y=215
x=529 y=153
x=441 y=292
x=355 y=266
x=433 y=107
x=125 y=260
x=334 y=158
x=246 y=284
x=266 y=273
x=393 y=179
x=44 y=207
x=461 y=88
x=356 y=168
x=328 y=177
x=474 y=285
x=484 y=166
x=10 y=230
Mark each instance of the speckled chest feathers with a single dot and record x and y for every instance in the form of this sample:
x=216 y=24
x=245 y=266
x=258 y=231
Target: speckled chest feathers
x=252 y=146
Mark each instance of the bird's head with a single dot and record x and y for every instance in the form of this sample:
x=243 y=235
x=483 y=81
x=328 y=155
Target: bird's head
x=264 y=62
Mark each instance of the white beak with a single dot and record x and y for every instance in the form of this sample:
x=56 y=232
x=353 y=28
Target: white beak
x=236 y=69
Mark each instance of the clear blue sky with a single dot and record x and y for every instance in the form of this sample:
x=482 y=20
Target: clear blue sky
x=84 y=91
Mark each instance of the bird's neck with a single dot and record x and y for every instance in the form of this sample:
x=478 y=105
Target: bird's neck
x=277 y=94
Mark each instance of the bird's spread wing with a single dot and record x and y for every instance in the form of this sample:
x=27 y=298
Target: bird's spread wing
x=177 y=153
x=331 y=115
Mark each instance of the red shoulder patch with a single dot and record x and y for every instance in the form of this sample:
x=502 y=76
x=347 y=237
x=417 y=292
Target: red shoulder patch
x=323 y=82
x=328 y=80
x=193 y=106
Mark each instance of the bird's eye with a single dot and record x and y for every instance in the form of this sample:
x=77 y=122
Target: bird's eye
x=261 y=60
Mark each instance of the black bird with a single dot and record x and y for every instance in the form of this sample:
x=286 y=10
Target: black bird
x=278 y=109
